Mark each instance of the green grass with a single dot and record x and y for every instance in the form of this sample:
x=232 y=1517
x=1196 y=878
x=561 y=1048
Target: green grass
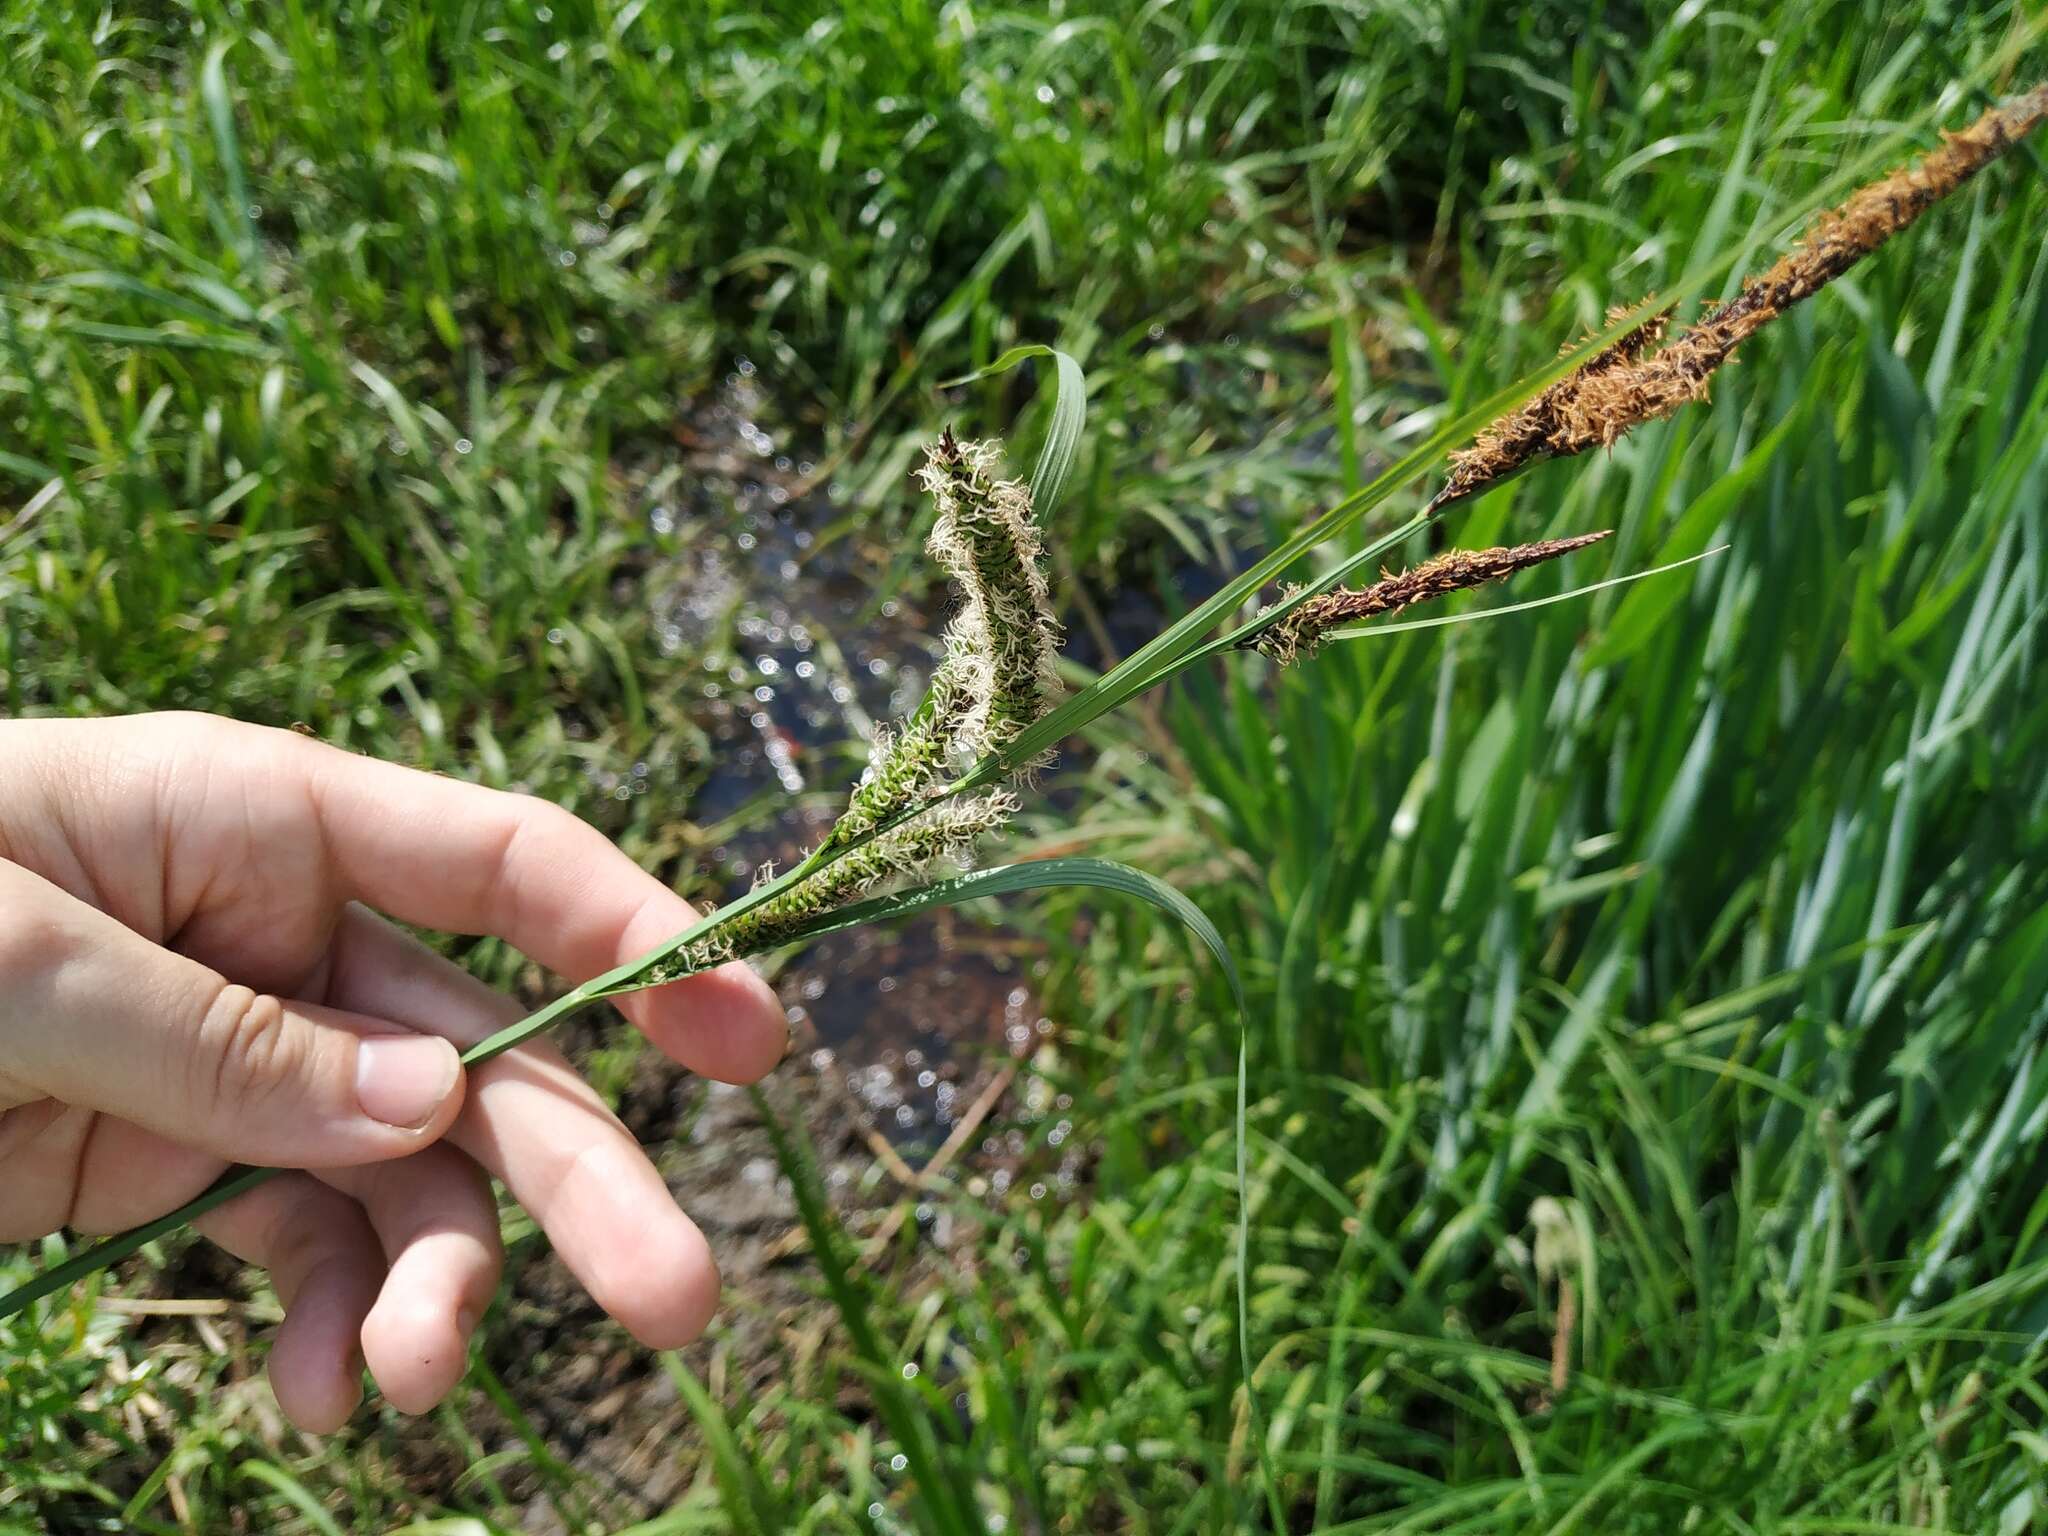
x=1709 y=908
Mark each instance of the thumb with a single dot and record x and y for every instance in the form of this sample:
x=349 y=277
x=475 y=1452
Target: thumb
x=92 y=1014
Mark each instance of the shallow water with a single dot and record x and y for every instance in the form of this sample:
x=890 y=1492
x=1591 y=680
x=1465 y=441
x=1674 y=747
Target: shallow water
x=804 y=653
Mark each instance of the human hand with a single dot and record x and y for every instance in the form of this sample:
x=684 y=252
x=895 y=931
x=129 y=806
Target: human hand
x=192 y=974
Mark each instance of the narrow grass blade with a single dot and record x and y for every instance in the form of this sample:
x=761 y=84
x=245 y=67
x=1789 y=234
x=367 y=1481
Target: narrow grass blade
x=1039 y=874
x=1069 y=411
x=220 y=116
x=294 y=1492
x=1104 y=874
x=943 y=1498
x=749 y=1505
x=112 y=1250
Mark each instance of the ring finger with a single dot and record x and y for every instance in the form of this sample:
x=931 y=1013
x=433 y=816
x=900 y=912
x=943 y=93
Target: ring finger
x=326 y=1268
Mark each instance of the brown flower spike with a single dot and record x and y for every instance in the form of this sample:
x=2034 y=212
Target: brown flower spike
x=1302 y=630
x=1626 y=384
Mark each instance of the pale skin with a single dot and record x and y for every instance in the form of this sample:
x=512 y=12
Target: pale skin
x=200 y=964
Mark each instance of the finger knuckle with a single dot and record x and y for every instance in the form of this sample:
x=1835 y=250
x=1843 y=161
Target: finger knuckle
x=247 y=1052
x=552 y=825
x=547 y=825
x=290 y=1244
x=533 y=834
x=33 y=944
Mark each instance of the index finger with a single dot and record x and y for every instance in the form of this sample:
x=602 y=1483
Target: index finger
x=446 y=854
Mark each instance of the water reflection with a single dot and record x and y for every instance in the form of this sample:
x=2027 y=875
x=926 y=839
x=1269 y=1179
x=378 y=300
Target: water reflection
x=800 y=660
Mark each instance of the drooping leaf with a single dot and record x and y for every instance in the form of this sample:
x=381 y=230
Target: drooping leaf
x=1063 y=434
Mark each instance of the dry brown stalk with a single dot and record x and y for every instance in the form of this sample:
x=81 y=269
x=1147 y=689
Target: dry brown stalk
x=1626 y=385
x=1302 y=630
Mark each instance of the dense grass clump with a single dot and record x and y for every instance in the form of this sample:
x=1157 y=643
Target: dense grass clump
x=1646 y=1091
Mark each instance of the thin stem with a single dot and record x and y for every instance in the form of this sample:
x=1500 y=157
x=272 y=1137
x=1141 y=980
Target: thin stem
x=236 y=1181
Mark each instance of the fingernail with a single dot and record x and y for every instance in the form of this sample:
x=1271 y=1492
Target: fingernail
x=402 y=1079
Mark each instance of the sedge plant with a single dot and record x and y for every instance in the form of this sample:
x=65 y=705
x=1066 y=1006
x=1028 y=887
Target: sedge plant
x=948 y=776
